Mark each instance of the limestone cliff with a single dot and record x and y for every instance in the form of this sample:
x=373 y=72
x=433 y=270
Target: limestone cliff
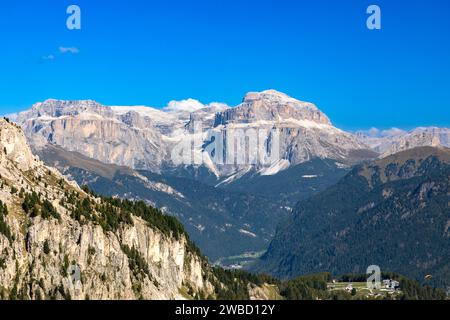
x=49 y=251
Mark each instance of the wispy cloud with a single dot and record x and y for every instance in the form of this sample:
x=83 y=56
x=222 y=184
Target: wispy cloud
x=48 y=57
x=61 y=51
x=69 y=50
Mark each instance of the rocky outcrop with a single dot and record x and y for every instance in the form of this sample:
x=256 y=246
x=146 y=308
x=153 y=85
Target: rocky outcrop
x=104 y=267
x=14 y=147
x=61 y=108
x=420 y=137
x=95 y=131
x=61 y=257
x=271 y=105
x=303 y=131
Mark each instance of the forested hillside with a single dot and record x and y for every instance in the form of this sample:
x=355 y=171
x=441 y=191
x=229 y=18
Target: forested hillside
x=393 y=212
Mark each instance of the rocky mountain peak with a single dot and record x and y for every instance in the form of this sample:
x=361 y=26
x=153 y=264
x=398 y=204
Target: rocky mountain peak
x=14 y=147
x=58 y=108
x=272 y=105
x=272 y=95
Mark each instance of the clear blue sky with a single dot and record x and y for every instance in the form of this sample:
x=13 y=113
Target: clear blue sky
x=152 y=51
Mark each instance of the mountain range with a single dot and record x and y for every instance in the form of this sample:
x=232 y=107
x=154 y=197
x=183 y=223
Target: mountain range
x=142 y=137
x=231 y=209
x=60 y=241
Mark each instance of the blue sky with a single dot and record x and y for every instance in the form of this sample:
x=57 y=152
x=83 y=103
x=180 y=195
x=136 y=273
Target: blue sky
x=153 y=51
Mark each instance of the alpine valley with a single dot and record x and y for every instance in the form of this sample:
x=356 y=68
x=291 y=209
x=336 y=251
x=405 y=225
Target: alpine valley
x=333 y=201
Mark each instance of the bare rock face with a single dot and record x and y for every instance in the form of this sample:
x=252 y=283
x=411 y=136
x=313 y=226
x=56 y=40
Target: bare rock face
x=206 y=117
x=14 y=147
x=271 y=105
x=38 y=252
x=95 y=131
x=420 y=137
x=304 y=132
x=104 y=267
x=59 y=108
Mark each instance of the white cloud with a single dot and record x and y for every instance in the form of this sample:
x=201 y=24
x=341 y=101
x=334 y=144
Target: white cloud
x=188 y=105
x=69 y=50
x=192 y=105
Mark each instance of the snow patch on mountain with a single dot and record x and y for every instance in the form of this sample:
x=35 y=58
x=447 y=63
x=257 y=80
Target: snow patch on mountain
x=235 y=176
x=248 y=233
x=278 y=166
x=310 y=176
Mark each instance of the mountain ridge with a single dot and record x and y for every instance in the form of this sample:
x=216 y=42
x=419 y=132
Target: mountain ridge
x=157 y=131
x=391 y=212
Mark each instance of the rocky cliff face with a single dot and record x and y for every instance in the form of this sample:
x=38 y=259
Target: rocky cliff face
x=271 y=105
x=60 y=108
x=13 y=144
x=43 y=240
x=95 y=131
x=303 y=131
